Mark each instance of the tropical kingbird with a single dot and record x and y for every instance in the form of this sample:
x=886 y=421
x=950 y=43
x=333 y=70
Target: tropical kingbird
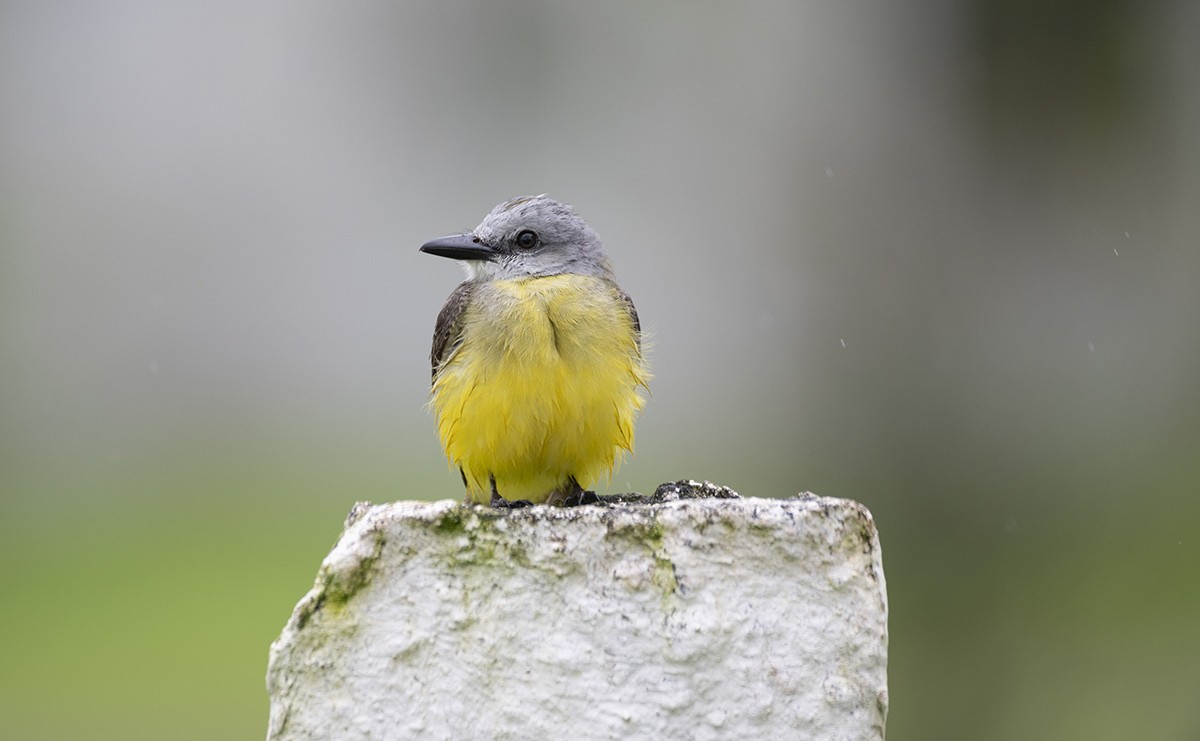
x=537 y=358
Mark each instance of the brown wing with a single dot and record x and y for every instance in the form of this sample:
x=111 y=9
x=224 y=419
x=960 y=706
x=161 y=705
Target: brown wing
x=447 y=333
x=637 y=325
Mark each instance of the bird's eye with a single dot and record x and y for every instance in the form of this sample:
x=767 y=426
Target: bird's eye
x=527 y=239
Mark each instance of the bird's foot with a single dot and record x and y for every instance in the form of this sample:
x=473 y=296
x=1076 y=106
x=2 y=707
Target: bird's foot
x=499 y=502
x=580 y=498
x=576 y=496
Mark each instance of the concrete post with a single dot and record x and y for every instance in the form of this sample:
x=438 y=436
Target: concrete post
x=707 y=618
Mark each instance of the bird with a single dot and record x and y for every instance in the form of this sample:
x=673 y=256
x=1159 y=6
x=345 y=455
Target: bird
x=538 y=371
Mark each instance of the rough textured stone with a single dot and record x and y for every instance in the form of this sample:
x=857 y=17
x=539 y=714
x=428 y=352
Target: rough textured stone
x=693 y=618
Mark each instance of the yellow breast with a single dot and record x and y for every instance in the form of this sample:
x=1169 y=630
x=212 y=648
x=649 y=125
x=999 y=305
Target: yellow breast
x=544 y=387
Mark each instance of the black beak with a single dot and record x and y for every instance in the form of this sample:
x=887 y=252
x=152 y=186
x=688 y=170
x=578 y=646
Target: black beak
x=459 y=247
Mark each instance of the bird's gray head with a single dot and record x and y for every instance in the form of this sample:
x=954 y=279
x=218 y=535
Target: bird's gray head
x=526 y=237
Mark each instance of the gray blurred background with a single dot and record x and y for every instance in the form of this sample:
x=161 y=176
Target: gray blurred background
x=939 y=257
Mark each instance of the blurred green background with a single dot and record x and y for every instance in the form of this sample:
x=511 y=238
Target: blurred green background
x=939 y=257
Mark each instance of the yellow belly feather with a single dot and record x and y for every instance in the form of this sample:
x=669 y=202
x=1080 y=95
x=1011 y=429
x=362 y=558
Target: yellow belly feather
x=544 y=387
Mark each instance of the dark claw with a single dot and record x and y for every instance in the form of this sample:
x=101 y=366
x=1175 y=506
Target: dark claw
x=499 y=502
x=580 y=498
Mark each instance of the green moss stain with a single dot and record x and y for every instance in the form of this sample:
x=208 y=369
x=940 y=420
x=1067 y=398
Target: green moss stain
x=667 y=581
x=337 y=589
x=453 y=523
x=473 y=541
x=663 y=575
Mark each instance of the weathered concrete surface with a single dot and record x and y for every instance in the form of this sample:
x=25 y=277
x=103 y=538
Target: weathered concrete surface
x=691 y=619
